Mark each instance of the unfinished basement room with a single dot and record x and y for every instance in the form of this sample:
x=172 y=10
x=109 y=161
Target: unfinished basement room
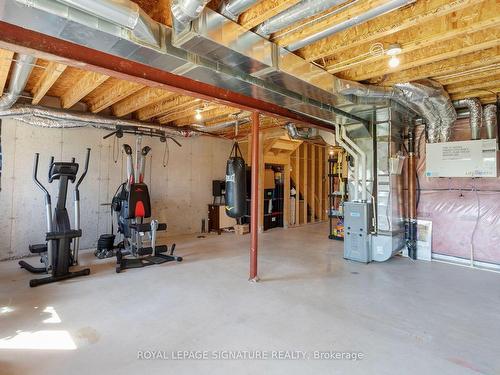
x=249 y=187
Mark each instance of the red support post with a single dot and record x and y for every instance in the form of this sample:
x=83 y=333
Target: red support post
x=254 y=215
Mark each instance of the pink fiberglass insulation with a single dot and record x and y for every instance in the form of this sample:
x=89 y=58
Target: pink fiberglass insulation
x=462 y=210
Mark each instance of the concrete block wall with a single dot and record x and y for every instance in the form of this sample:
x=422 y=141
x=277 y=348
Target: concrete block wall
x=180 y=191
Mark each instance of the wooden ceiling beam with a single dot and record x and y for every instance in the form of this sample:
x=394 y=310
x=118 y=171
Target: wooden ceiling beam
x=486 y=93
x=263 y=11
x=208 y=116
x=453 y=65
x=412 y=15
x=52 y=72
x=87 y=82
x=187 y=111
x=111 y=94
x=483 y=72
x=5 y=61
x=474 y=42
x=474 y=84
x=163 y=106
x=142 y=98
x=438 y=30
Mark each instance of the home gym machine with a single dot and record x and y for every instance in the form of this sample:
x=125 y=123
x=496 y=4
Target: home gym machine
x=132 y=205
x=58 y=254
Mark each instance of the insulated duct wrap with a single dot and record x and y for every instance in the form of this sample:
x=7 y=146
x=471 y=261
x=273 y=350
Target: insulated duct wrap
x=425 y=97
x=490 y=120
x=55 y=118
x=475 y=115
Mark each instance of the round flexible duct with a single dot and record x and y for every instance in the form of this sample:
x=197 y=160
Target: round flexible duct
x=490 y=120
x=56 y=118
x=475 y=115
x=425 y=97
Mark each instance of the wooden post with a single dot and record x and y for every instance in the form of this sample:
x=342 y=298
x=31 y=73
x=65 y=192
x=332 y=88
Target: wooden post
x=254 y=216
x=286 y=194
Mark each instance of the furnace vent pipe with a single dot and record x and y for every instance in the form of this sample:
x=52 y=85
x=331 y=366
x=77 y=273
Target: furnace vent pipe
x=18 y=79
x=233 y=8
x=362 y=154
x=389 y=6
x=475 y=117
x=490 y=120
x=299 y=12
x=350 y=151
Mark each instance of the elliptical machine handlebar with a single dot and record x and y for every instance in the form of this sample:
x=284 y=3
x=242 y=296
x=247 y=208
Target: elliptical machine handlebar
x=37 y=182
x=76 y=241
x=48 y=208
x=80 y=180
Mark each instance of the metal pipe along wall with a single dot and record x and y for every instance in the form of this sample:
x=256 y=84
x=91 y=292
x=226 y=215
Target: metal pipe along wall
x=254 y=215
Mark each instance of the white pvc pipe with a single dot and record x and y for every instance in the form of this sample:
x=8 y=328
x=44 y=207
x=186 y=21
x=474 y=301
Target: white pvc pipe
x=349 y=150
x=363 y=162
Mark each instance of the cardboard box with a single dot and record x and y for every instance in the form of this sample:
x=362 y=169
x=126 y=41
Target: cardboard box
x=241 y=229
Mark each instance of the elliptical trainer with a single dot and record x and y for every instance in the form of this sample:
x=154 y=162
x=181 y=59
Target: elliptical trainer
x=57 y=254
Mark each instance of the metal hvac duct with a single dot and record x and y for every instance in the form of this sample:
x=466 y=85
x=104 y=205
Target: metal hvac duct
x=123 y=13
x=490 y=120
x=57 y=118
x=220 y=126
x=434 y=102
x=18 y=79
x=306 y=135
x=389 y=6
x=475 y=115
x=425 y=97
x=298 y=12
x=185 y=11
x=224 y=42
x=290 y=82
x=233 y=8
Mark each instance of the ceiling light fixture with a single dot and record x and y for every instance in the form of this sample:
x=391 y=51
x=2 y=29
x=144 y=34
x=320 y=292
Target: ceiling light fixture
x=198 y=115
x=394 y=62
x=394 y=50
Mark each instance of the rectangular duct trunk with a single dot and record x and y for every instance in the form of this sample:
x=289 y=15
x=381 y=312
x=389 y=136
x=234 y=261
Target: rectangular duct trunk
x=219 y=39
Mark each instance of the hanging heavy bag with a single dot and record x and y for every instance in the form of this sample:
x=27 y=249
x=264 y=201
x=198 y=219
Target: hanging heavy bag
x=236 y=186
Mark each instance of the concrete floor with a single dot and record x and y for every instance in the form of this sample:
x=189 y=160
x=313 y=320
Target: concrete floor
x=405 y=317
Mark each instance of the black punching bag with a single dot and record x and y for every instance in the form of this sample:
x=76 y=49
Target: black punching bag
x=236 y=185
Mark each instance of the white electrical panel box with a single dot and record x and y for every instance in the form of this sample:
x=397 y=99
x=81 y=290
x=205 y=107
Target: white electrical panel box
x=477 y=158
